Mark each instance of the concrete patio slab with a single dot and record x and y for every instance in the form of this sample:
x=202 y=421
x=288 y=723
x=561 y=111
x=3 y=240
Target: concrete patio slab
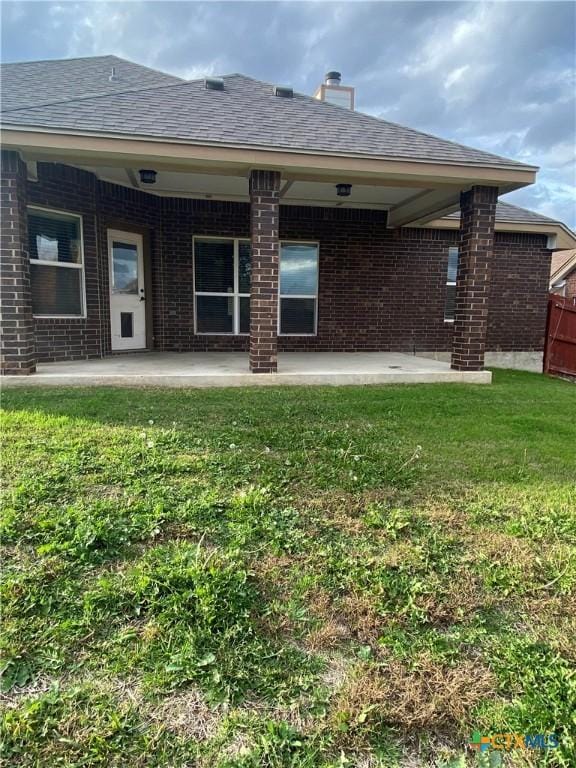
x=230 y=369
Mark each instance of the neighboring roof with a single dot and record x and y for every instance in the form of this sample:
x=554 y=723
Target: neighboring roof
x=246 y=113
x=563 y=262
x=33 y=83
x=512 y=218
x=506 y=212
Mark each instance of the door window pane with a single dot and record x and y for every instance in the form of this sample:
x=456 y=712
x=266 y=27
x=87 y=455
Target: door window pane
x=124 y=268
x=56 y=290
x=298 y=269
x=54 y=237
x=297 y=316
x=214 y=314
x=214 y=266
x=244 y=267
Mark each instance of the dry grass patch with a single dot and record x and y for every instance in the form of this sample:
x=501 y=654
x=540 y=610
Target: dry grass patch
x=184 y=713
x=427 y=695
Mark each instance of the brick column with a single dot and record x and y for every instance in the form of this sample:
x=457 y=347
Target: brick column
x=477 y=214
x=264 y=221
x=18 y=353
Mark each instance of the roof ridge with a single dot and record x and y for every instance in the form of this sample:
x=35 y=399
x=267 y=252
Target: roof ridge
x=86 y=97
x=72 y=58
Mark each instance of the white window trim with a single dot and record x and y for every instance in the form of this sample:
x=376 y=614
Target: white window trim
x=235 y=294
x=314 y=296
x=80 y=266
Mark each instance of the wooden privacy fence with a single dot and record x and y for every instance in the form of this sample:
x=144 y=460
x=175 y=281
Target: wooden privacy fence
x=560 y=349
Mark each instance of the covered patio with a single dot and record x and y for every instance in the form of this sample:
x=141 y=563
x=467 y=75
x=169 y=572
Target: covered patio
x=259 y=258
x=231 y=369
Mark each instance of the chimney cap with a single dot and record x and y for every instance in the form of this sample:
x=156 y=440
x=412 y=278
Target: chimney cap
x=333 y=78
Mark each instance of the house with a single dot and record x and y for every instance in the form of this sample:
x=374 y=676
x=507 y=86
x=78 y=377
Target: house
x=563 y=273
x=144 y=212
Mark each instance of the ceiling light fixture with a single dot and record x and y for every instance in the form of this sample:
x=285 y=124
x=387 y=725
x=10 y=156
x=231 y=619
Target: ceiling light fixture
x=147 y=176
x=343 y=190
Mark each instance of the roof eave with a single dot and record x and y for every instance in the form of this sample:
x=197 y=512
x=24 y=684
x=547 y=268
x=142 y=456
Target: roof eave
x=523 y=174
x=564 y=270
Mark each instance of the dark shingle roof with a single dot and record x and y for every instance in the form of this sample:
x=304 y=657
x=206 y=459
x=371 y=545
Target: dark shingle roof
x=514 y=214
x=246 y=113
x=33 y=83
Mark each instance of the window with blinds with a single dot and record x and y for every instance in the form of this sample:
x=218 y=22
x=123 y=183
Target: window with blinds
x=222 y=287
x=298 y=289
x=451 y=284
x=56 y=263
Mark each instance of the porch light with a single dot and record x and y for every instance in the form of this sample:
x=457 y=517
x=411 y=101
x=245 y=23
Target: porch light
x=343 y=190
x=147 y=176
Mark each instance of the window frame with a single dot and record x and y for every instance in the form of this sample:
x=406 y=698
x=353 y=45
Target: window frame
x=314 y=296
x=66 y=265
x=235 y=294
x=451 y=283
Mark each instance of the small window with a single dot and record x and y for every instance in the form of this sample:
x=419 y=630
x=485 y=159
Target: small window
x=298 y=289
x=56 y=263
x=452 y=273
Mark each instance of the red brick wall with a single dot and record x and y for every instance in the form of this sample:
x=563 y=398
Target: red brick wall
x=518 y=292
x=379 y=289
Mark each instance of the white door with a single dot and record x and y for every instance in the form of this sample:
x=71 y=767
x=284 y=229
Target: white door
x=127 y=299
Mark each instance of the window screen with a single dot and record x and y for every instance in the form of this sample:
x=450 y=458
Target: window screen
x=452 y=273
x=298 y=288
x=56 y=263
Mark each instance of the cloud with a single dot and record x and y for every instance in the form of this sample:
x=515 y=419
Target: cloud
x=498 y=76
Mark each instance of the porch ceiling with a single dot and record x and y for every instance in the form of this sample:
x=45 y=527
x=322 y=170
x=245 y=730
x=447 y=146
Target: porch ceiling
x=235 y=188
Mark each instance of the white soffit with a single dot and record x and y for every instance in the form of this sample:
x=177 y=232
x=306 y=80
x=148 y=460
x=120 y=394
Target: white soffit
x=235 y=188
x=361 y=195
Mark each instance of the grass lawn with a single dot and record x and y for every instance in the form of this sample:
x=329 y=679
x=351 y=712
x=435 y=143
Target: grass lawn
x=303 y=577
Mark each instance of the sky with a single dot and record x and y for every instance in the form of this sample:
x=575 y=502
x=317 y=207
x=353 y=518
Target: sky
x=499 y=76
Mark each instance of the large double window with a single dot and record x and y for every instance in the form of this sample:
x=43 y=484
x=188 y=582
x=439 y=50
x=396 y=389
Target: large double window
x=222 y=286
x=56 y=263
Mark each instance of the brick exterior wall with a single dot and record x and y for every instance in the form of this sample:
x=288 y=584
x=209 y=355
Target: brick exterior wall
x=16 y=323
x=379 y=289
x=264 y=276
x=570 y=291
x=477 y=219
x=70 y=189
